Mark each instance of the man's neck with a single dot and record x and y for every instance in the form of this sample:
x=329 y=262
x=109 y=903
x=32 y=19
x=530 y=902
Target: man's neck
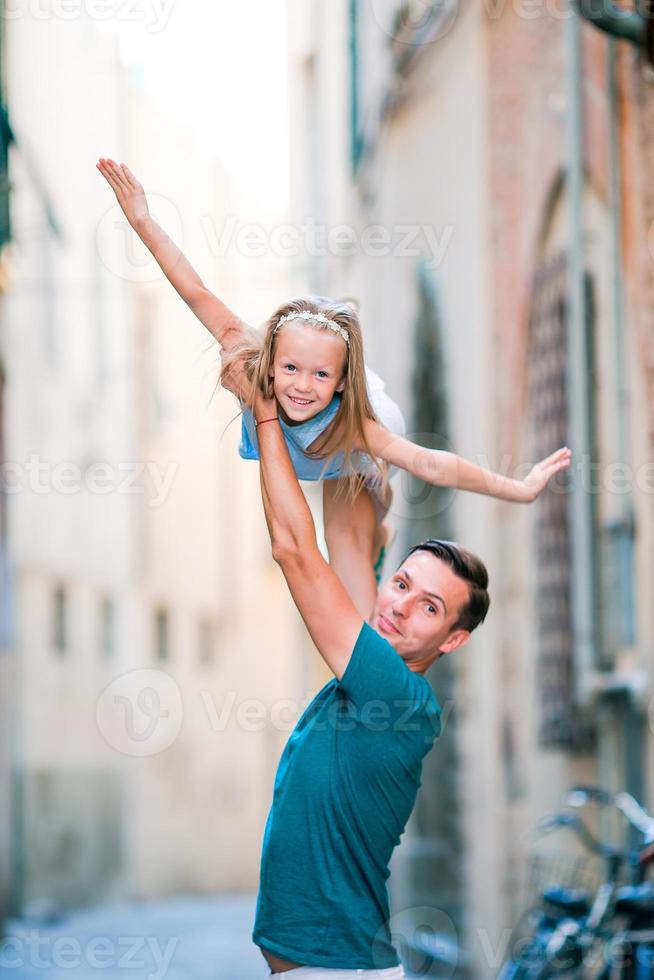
x=421 y=666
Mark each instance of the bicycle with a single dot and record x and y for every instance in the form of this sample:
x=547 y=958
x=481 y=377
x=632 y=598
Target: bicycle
x=573 y=924
x=631 y=948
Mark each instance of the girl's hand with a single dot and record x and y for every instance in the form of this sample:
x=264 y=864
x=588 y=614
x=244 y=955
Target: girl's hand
x=129 y=193
x=538 y=478
x=264 y=408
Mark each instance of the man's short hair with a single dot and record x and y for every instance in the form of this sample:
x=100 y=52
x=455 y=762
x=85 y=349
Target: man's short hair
x=468 y=567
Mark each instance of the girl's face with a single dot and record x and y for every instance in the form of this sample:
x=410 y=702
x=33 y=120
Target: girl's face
x=307 y=369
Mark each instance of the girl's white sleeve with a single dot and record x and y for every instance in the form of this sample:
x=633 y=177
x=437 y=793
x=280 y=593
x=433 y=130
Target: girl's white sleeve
x=387 y=411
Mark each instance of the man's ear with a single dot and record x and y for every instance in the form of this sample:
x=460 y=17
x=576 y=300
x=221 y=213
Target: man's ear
x=455 y=640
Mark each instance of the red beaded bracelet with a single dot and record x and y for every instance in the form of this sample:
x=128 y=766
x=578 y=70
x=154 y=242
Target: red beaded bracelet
x=272 y=419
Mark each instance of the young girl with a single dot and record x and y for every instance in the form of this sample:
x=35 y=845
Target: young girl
x=340 y=425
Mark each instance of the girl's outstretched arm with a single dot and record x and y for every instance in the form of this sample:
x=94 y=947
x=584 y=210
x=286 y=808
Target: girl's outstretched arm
x=224 y=325
x=449 y=470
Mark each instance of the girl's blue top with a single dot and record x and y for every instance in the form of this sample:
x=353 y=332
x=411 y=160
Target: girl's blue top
x=298 y=438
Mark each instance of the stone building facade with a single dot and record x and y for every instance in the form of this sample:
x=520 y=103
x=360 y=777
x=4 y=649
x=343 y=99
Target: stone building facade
x=482 y=171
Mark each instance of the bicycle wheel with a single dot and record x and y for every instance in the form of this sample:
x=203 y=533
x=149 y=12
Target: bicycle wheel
x=532 y=964
x=644 y=961
x=639 y=965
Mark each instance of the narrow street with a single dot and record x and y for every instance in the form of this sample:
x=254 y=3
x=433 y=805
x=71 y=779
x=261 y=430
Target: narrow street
x=176 y=939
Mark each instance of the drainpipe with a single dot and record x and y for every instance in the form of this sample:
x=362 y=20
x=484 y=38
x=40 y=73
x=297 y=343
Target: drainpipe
x=626 y=522
x=356 y=141
x=622 y=717
x=583 y=591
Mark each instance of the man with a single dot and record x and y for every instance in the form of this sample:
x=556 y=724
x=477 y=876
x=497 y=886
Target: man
x=349 y=774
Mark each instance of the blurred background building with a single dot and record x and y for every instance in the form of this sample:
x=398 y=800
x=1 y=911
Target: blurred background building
x=487 y=166
x=133 y=543
x=476 y=176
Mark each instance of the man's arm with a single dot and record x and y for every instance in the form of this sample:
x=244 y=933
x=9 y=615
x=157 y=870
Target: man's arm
x=323 y=603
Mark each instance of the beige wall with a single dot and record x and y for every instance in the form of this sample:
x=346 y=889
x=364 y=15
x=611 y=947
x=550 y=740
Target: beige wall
x=105 y=363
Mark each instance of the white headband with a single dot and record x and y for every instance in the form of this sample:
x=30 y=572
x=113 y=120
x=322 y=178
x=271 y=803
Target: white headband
x=308 y=315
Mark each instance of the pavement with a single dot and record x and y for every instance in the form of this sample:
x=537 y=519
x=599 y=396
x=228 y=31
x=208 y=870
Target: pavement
x=195 y=938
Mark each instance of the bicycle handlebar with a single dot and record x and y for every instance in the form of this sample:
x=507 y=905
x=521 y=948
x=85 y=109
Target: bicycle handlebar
x=572 y=821
x=581 y=795
x=636 y=815
x=630 y=808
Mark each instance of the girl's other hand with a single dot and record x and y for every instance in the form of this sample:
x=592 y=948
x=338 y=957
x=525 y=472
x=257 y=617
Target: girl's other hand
x=538 y=478
x=129 y=193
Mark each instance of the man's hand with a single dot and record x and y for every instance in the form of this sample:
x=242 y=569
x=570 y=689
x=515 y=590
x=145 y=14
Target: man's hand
x=129 y=193
x=538 y=478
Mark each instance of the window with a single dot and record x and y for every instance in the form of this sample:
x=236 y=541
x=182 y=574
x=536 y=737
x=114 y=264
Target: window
x=206 y=641
x=6 y=137
x=162 y=640
x=107 y=627
x=59 y=620
x=356 y=135
x=561 y=723
x=152 y=405
x=6 y=574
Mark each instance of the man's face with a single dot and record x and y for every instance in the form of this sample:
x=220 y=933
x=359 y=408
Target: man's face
x=307 y=370
x=417 y=608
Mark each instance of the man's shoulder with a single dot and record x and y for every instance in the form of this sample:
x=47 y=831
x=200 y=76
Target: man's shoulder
x=376 y=669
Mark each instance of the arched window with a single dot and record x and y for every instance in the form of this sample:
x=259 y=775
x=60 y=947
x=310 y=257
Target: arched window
x=559 y=723
x=552 y=369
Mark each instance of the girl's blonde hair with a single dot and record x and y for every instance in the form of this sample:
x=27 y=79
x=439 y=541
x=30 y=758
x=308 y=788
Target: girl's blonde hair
x=346 y=432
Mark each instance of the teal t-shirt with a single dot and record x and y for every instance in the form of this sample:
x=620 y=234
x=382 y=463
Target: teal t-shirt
x=345 y=787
